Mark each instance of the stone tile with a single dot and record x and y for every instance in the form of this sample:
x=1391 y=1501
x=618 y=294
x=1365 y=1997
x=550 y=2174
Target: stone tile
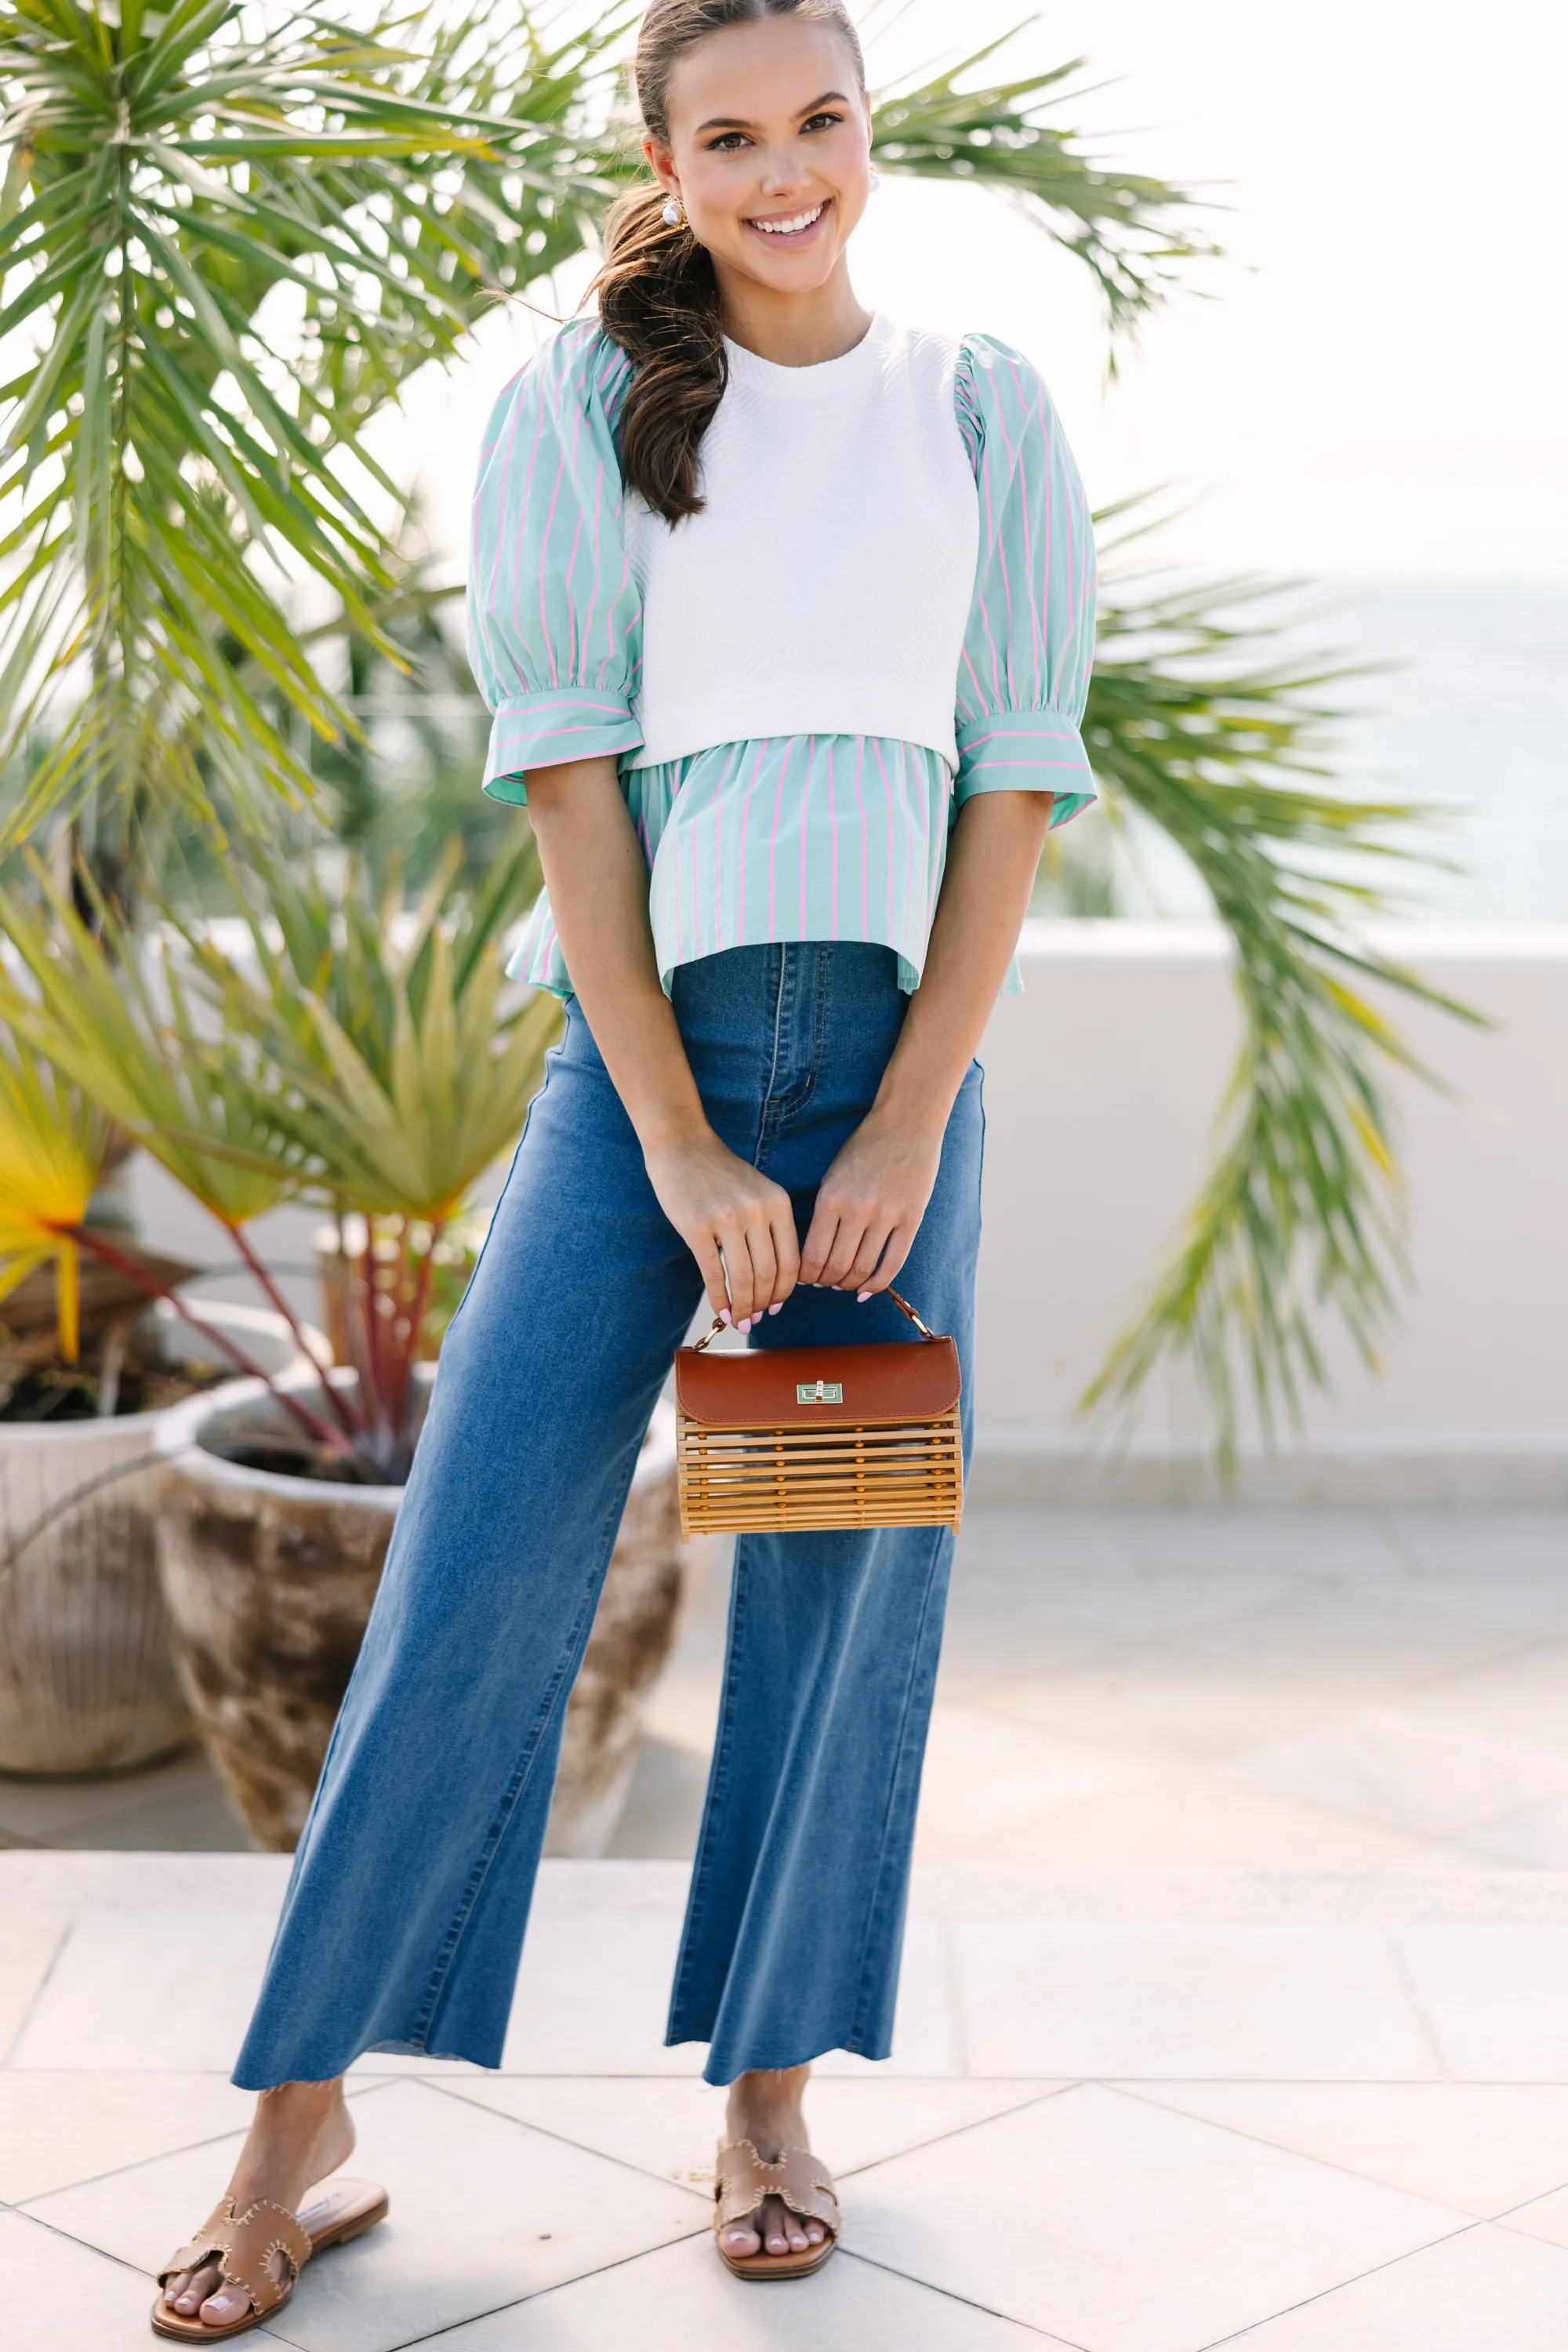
x=1407 y=1772
x=484 y=2212
x=1544 y=2216
x=1486 y=2291
x=985 y=1775
x=178 y=1806
x=1146 y=2231
x=160 y=1988
x=681 y=2300
x=1523 y=1695
x=1271 y=1671
x=57 y=2128
x=672 y=2129
x=1494 y=1996
x=1311 y=1544
x=1481 y=1543
x=1534 y=1838
x=1157 y=2000
x=1483 y=2148
x=29 y=1941
x=664 y=1807
x=596 y=2003
x=59 y=2294
x=1181 y=1816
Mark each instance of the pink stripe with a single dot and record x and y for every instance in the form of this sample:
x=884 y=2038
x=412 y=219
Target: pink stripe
x=864 y=844
x=773 y=837
x=718 y=868
x=888 y=788
x=696 y=894
x=745 y=813
x=1035 y=618
x=544 y=566
x=805 y=795
x=832 y=836
x=500 y=516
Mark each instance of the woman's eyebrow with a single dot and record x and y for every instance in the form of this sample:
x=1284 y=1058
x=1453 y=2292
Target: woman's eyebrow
x=739 y=122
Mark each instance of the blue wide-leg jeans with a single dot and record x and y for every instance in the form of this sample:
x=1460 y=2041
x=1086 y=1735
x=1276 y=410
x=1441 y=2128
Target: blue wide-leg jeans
x=404 y=1916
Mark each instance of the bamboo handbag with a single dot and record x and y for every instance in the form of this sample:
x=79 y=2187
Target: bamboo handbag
x=770 y=1439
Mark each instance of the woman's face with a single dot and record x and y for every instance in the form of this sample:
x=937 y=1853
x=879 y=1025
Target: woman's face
x=769 y=149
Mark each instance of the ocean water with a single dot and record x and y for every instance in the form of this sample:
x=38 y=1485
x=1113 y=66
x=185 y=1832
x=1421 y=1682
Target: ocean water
x=1468 y=715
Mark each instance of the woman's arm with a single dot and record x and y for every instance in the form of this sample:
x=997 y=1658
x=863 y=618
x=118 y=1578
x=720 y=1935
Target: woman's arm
x=872 y=1199
x=736 y=1222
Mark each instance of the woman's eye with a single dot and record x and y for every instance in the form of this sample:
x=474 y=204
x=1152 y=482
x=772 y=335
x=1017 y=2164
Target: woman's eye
x=822 y=121
x=727 y=142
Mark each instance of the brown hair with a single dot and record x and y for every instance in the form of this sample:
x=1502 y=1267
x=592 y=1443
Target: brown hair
x=659 y=296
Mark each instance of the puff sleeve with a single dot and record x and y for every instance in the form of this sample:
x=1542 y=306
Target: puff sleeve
x=554 y=617
x=1024 y=676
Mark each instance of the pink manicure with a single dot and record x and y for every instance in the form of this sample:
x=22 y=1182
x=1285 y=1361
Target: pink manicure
x=723 y=1315
x=862 y=1297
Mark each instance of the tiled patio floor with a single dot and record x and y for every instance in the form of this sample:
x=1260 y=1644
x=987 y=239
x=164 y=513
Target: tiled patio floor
x=1234 y=2010
x=1130 y=2111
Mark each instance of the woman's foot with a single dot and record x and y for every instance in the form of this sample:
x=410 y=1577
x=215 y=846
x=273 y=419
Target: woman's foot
x=765 y=2108
x=301 y=2132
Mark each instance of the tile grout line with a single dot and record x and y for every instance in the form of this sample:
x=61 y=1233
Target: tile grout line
x=1405 y=1974
x=186 y=2147
x=1147 y=2098
x=1239 y=2334
x=39 y=1989
x=968 y=2301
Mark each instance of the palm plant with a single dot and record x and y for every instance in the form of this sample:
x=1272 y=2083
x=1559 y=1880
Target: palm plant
x=227 y=240
x=53 y=1145
x=370 y=1065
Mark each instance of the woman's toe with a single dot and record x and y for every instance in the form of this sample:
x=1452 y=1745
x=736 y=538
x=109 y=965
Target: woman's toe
x=228 y=2302
x=814 y=2233
x=740 y=2239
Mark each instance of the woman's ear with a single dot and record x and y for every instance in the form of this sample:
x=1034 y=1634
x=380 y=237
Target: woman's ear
x=661 y=163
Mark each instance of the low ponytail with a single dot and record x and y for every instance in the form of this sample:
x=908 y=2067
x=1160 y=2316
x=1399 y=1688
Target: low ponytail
x=659 y=299
x=659 y=296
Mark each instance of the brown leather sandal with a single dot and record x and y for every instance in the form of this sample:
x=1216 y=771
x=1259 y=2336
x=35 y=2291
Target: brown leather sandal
x=741 y=2180
x=337 y=2212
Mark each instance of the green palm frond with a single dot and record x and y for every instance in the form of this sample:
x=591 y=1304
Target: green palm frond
x=222 y=250
x=121 y=1026
x=1134 y=234
x=1198 y=721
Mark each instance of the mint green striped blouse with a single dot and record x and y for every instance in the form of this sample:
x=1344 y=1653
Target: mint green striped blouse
x=804 y=837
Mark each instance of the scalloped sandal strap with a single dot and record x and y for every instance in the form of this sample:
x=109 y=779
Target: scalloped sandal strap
x=244 y=2246
x=741 y=2180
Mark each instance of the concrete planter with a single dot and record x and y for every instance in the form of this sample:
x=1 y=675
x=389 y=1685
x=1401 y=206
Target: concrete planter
x=269 y=1580
x=87 y=1679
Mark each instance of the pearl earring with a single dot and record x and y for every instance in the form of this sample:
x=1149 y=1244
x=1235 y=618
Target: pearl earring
x=672 y=216
x=875 y=179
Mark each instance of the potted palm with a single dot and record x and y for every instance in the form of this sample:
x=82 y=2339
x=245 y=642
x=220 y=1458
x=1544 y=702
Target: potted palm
x=87 y=1371
x=333 y=1049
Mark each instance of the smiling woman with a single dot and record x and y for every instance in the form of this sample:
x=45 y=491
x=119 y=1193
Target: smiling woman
x=784 y=613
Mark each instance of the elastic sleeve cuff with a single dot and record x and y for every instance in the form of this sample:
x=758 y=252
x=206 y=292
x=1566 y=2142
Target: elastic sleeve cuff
x=546 y=729
x=1025 y=751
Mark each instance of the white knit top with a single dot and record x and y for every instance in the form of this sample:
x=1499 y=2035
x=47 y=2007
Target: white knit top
x=826 y=584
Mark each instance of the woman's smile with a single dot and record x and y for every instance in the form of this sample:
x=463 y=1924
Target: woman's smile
x=790 y=228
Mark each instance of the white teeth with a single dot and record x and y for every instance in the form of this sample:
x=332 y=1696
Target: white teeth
x=788 y=227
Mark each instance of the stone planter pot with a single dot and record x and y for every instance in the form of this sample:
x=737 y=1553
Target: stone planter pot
x=269 y=1581
x=87 y=1679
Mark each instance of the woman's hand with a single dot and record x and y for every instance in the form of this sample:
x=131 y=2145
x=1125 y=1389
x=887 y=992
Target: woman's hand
x=870 y=1204
x=736 y=1222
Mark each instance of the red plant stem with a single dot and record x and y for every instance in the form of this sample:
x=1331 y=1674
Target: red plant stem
x=370 y=1295
x=270 y=1288
x=320 y=1431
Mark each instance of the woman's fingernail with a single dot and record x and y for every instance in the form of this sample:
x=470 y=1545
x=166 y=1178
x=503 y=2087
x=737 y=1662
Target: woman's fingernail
x=862 y=1297
x=723 y=1315
x=746 y=1323
x=777 y=1308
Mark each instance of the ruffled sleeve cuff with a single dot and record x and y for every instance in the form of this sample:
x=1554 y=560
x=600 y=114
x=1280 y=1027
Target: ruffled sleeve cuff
x=547 y=728
x=1025 y=751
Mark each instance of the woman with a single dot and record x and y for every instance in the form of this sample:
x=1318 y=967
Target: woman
x=785 y=614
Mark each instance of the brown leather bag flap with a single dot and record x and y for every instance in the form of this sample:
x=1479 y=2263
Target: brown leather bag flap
x=762 y=1387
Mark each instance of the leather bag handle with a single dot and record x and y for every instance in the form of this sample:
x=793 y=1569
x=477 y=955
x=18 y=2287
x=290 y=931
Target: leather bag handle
x=719 y=1325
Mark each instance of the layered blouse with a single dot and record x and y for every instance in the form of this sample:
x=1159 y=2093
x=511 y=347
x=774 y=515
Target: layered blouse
x=777 y=837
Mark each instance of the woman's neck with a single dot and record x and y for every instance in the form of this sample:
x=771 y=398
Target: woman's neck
x=793 y=330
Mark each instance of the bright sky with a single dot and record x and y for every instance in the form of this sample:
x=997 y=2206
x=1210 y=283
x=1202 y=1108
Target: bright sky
x=1374 y=384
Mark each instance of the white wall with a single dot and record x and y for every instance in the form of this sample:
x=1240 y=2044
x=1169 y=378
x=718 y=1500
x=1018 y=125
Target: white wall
x=1102 y=1084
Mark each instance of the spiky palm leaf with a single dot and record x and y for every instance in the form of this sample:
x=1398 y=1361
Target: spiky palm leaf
x=53 y=1145
x=1201 y=723
x=227 y=246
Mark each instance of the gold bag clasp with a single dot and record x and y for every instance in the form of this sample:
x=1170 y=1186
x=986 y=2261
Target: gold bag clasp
x=819 y=1392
